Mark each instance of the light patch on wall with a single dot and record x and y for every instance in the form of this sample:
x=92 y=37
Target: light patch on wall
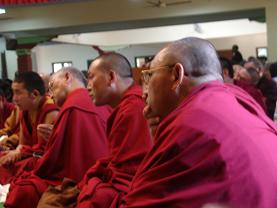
x=2 y=11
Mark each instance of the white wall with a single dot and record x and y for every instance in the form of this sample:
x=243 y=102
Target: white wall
x=247 y=43
x=47 y=54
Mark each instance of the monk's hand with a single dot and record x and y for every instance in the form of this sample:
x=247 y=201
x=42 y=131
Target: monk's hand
x=45 y=131
x=152 y=120
x=10 y=157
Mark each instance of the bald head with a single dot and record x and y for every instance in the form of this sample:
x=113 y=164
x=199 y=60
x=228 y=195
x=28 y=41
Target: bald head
x=198 y=57
x=65 y=81
x=116 y=62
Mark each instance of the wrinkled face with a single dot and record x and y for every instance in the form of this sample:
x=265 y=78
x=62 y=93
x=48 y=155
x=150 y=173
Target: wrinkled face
x=157 y=88
x=21 y=96
x=58 y=89
x=98 y=84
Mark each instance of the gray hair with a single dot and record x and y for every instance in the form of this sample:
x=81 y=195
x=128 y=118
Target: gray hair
x=199 y=58
x=75 y=72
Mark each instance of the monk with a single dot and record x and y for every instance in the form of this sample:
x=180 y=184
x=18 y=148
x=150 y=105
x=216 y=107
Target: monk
x=77 y=140
x=9 y=123
x=110 y=82
x=29 y=96
x=6 y=109
x=10 y=132
x=214 y=144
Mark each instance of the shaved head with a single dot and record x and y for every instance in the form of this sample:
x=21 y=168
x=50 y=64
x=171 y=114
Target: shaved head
x=116 y=62
x=198 y=57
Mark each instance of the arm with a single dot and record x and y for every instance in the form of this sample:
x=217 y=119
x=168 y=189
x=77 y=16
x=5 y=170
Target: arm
x=45 y=129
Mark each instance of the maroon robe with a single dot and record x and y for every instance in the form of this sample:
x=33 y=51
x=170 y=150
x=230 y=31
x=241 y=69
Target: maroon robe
x=129 y=140
x=30 y=143
x=77 y=141
x=5 y=112
x=253 y=91
x=217 y=146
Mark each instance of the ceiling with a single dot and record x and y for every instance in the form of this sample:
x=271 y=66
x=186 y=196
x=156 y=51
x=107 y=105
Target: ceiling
x=107 y=15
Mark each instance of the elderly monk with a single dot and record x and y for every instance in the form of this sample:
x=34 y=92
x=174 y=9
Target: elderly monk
x=110 y=83
x=213 y=145
x=29 y=96
x=78 y=139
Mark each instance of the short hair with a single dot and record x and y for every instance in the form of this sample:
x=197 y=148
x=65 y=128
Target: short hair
x=254 y=75
x=226 y=64
x=75 y=72
x=235 y=47
x=31 y=80
x=117 y=62
x=257 y=64
x=273 y=69
x=199 y=58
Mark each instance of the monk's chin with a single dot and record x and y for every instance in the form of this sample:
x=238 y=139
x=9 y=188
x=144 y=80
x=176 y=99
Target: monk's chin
x=148 y=112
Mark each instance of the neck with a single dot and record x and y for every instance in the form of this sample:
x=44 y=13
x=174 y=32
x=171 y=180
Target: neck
x=119 y=92
x=35 y=108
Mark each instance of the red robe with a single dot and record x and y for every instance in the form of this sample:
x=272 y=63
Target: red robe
x=5 y=112
x=216 y=147
x=77 y=141
x=129 y=140
x=253 y=91
x=31 y=142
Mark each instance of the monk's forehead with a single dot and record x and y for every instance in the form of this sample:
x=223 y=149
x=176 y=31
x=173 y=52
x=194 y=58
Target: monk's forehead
x=162 y=58
x=55 y=76
x=96 y=65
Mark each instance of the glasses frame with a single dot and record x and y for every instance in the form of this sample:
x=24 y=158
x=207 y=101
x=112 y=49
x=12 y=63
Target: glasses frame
x=147 y=74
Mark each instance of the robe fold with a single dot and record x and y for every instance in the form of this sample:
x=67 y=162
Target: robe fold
x=30 y=142
x=77 y=141
x=129 y=140
x=216 y=147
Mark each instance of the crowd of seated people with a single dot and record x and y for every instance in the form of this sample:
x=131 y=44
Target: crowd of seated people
x=198 y=133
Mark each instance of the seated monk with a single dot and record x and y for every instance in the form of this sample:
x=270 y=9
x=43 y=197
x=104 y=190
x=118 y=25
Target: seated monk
x=214 y=144
x=10 y=130
x=110 y=82
x=6 y=109
x=78 y=139
x=247 y=79
x=29 y=96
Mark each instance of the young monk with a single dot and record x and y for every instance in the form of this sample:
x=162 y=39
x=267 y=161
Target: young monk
x=29 y=96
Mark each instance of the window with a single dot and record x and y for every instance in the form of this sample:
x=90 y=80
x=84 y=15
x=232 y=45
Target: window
x=58 y=65
x=261 y=52
x=140 y=61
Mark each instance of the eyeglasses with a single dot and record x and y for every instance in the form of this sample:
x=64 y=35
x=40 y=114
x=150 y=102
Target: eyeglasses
x=147 y=74
x=50 y=88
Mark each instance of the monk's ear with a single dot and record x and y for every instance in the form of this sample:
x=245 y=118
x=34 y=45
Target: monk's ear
x=112 y=76
x=67 y=76
x=178 y=74
x=35 y=93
